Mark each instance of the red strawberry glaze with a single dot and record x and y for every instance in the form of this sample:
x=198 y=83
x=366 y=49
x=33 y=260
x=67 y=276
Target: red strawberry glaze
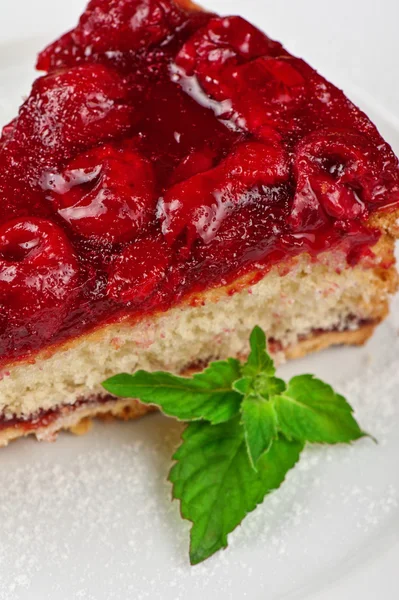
x=167 y=151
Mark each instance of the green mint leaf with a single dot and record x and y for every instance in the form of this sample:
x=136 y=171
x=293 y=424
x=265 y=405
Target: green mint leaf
x=268 y=386
x=311 y=411
x=258 y=361
x=216 y=485
x=261 y=384
x=207 y=395
x=243 y=386
x=259 y=420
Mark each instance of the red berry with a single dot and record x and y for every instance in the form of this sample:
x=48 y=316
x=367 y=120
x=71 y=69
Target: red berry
x=38 y=275
x=201 y=203
x=336 y=174
x=107 y=193
x=223 y=42
x=8 y=130
x=70 y=110
x=114 y=26
x=64 y=52
x=267 y=92
x=259 y=84
x=137 y=273
x=127 y=24
x=253 y=163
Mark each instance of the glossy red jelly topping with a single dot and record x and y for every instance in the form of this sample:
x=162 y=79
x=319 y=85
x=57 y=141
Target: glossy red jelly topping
x=107 y=194
x=166 y=151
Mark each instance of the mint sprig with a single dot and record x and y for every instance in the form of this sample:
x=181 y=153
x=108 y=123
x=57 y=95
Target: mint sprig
x=247 y=430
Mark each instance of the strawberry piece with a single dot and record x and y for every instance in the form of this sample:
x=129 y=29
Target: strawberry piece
x=109 y=26
x=8 y=130
x=107 y=193
x=223 y=42
x=69 y=111
x=64 y=52
x=336 y=174
x=38 y=275
x=201 y=203
x=137 y=273
x=237 y=65
x=65 y=113
x=127 y=24
x=267 y=92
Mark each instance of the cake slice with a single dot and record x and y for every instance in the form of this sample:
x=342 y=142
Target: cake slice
x=173 y=179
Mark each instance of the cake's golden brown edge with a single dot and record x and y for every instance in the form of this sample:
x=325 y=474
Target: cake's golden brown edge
x=78 y=420
x=188 y=4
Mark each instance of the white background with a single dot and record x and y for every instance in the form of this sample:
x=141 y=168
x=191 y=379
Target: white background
x=90 y=518
x=350 y=41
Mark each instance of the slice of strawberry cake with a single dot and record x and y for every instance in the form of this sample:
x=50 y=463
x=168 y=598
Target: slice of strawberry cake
x=173 y=179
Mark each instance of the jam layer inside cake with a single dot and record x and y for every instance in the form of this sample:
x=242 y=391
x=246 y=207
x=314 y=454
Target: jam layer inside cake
x=168 y=151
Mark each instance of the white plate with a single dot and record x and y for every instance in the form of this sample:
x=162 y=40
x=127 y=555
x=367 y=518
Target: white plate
x=91 y=517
